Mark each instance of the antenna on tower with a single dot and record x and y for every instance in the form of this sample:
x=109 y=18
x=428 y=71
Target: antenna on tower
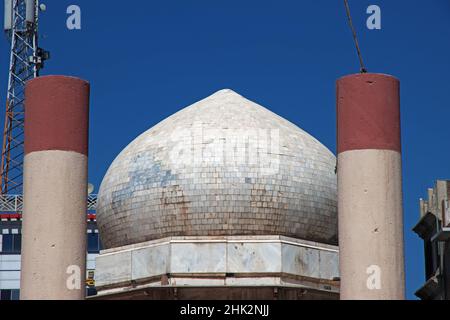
x=21 y=22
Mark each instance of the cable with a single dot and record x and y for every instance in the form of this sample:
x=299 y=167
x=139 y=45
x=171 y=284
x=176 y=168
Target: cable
x=355 y=38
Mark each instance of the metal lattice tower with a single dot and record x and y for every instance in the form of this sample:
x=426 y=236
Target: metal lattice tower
x=26 y=59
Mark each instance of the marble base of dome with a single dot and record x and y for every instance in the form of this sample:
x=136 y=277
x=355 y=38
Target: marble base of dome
x=237 y=267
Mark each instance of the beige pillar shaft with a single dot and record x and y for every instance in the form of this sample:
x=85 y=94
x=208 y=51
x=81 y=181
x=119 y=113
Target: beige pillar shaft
x=55 y=189
x=370 y=225
x=53 y=257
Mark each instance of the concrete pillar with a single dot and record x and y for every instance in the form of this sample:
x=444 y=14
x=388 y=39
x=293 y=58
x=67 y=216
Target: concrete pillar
x=55 y=189
x=370 y=188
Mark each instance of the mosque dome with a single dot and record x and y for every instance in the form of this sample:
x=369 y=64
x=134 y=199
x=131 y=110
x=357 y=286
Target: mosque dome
x=224 y=166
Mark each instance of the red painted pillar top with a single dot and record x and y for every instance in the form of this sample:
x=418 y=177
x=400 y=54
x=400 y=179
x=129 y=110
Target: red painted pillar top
x=57 y=114
x=368 y=112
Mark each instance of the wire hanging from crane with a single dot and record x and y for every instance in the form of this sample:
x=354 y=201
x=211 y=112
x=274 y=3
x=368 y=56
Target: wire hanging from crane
x=355 y=38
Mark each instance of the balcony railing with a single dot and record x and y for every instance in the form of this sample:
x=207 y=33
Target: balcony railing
x=14 y=203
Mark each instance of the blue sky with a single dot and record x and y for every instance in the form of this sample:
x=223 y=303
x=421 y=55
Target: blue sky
x=148 y=59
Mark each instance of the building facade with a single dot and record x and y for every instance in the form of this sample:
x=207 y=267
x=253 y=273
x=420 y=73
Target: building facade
x=434 y=229
x=10 y=245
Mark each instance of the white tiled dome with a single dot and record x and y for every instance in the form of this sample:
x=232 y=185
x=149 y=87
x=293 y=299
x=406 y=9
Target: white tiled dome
x=223 y=166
